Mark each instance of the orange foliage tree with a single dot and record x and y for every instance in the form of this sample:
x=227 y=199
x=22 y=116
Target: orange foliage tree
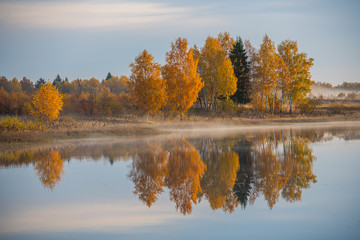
x=147 y=88
x=182 y=80
x=47 y=103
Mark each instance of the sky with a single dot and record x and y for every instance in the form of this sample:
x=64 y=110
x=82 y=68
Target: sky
x=88 y=38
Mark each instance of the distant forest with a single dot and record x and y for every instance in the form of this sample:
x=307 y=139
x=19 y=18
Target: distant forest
x=350 y=86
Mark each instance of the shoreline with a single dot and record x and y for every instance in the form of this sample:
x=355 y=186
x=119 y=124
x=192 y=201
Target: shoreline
x=161 y=131
x=165 y=127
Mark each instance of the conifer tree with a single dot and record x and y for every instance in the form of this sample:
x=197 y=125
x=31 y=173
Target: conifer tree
x=239 y=62
x=108 y=76
x=39 y=82
x=57 y=80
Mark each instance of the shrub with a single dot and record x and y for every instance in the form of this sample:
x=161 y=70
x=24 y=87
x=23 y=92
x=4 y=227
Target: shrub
x=27 y=109
x=336 y=108
x=67 y=122
x=14 y=124
x=308 y=105
x=227 y=105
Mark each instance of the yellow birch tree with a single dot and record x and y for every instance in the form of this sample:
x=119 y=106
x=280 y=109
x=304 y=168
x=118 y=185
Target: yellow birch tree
x=47 y=103
x=226 y=42
x=147 y=88
x=295 y=71
x=267 y=70
x=227 y=85
x=181 y=77
x=217 y=73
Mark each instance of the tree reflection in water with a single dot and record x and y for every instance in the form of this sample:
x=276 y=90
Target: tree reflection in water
x=227 y=172
x=148 y=172
x=177 y=166
x=50 y=169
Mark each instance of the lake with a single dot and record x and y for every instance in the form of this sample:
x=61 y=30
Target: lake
x=289 y=182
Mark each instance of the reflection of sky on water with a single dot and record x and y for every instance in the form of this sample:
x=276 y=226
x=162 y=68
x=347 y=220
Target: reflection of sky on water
x=95 y=200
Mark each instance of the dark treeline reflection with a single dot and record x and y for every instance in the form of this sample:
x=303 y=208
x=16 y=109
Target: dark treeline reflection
x=228 y=172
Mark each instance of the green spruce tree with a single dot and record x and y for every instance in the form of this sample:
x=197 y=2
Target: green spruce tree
x=39 y=83
x=108 y=76
x=238 y=59
x=57 y=81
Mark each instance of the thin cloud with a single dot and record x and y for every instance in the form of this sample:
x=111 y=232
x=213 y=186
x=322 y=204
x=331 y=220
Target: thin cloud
x=89 y=14
x=97 y=217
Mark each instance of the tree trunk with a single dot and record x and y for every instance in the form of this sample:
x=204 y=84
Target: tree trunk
x=290 y=102
x=214 y=96
x=282 y=101
x=273 y=108
x=266 y=103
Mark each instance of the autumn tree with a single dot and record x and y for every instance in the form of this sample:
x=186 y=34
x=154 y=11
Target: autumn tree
x=116 y=84
x=217 y=73
x=148 y=89
x=47 y=102
x=108 y=103
x=91 y=86
x=226 y=42
x=295 y=72
x=76 y=86
x=181 y=77
x=26 y=85
x=13 y=86
x=239 y=60
x=267 y=71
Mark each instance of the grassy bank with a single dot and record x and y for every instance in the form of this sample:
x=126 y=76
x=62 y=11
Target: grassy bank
x=23 y=129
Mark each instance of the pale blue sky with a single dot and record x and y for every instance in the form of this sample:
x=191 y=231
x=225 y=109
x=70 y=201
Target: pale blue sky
x=84 y=38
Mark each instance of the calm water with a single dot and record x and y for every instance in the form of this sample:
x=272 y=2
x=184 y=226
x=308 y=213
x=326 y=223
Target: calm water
x=289 y=183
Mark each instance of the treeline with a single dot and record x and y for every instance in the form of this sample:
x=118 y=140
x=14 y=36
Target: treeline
x=351 y=86
x=348 y=91
x=88 y=97
x=217 y=77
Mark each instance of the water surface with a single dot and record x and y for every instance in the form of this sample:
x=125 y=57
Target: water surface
x=283 y=183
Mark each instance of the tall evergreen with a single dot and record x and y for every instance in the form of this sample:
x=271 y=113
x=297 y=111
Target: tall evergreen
x=39 y=83
x=57 y=80
x=238 y=59
x=108 y=76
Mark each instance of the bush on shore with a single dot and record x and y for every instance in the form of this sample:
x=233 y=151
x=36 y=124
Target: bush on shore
x=14 y=124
